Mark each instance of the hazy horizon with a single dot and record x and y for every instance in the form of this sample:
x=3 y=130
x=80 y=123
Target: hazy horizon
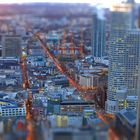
x=92 y=2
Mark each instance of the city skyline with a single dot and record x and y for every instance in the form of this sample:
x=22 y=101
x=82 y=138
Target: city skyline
x=65 y=68
x=93 y=2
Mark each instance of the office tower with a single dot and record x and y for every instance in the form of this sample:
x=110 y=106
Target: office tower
x=123 y=60
x=138 y=20
x=53 y=41
x=98 y=44
x=138 y=92
x=138 y=109
x=131 y=1
x=132 y=14
x=107 y=31
x=11 y=46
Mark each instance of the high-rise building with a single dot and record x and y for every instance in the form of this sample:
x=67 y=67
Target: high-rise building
x=98 y=44
x=132 y=14
x=120 y=16
x=123 y=61
x=138 y=108
x=11 y=46
x=138 y=115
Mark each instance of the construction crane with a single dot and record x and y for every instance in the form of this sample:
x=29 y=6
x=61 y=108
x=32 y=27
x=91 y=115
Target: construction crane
x=28 y=101
x=26 y=85
x=72 y=48
x=65 y=72
x=59 y=66
x=25 y=80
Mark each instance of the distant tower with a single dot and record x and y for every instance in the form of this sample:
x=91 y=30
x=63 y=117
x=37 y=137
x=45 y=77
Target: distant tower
x=123 y=59
x=53 y=42
x=139 y=17
x=99 y=38
x=133 y=18
x=131 y=1
x=11 y=46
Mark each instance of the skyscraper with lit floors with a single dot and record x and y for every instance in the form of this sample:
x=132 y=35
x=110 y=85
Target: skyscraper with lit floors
x=138 y=108
x=123 y=61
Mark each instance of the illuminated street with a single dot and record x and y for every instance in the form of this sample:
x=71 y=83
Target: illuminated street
x=69 y=70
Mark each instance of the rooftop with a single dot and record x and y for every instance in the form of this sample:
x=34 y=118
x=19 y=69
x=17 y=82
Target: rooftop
x=129 y=116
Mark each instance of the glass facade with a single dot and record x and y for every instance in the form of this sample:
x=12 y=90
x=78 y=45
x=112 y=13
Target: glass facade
x=99 y=36
x=123 y=60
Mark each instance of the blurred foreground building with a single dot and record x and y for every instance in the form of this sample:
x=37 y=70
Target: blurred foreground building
x=127 y=129
x=9 y=108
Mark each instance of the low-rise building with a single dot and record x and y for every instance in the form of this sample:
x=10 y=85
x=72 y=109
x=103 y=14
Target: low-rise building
x=9 y=108
x=92 y=77
x=76 y=106
x=12 y=111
